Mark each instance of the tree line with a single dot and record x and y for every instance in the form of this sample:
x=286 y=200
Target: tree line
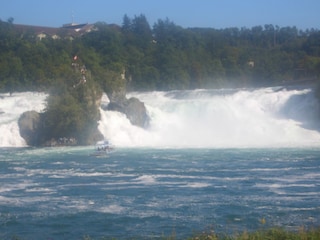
x=162 y=57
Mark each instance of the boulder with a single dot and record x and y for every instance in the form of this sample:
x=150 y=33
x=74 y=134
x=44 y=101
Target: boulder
x=29 y=125
x=134 y=109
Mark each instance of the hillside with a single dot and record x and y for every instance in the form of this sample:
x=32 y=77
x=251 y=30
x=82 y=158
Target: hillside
x=163 y=57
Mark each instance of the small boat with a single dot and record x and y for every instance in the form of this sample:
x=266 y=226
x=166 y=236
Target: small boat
x=102 y=148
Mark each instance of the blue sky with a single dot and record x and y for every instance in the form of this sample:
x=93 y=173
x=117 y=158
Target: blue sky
x=186 y=13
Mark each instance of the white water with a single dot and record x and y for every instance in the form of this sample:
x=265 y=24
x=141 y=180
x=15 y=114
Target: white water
x=201 y=118
x=11 y=107
x=220 y=118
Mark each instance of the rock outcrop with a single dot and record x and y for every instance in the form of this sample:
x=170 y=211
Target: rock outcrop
x=134 y=109
x=64 y=122
x=116 y=91
x=29 y=126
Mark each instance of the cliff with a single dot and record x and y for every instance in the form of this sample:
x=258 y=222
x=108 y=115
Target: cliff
x=71 y=116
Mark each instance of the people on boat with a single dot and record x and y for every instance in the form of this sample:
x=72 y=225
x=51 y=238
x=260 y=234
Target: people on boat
x=103 y=146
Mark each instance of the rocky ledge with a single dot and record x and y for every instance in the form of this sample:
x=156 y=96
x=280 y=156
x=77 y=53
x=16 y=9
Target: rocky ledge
x=32 y=126
x=133 y=108
x=29 y=125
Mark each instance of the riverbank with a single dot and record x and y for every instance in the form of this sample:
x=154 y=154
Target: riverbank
x=263 y=234
x=272 y=233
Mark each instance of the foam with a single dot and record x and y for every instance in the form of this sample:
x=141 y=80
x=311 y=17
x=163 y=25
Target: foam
x=146 y=179
x=240 y=118
x=40 y=189
x=219 y=119
x=113 y=208
x=198 y=185
x=12 y=107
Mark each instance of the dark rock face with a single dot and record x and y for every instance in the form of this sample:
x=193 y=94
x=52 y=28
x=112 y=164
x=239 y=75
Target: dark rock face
x=29 y=126
x=134 y=109
x=90 y=136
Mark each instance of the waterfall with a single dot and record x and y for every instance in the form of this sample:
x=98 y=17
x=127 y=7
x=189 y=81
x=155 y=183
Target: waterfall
x=265 y=117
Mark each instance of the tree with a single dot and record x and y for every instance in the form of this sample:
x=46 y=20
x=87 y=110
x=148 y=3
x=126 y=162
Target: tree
x=166 y=56
x=72 y=113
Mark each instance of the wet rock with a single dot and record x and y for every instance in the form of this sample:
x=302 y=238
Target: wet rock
x=29 y=125
x=134 y=109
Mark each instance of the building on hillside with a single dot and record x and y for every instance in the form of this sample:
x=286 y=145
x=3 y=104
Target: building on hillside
x=70 y=31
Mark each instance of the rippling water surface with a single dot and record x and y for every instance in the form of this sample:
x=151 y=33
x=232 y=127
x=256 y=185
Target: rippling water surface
x=64 y=193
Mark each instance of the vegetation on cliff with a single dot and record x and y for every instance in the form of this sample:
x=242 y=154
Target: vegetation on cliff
x=72 y=113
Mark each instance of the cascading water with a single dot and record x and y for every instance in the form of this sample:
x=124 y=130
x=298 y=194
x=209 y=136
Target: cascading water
x=11 y=107
x=266 y=117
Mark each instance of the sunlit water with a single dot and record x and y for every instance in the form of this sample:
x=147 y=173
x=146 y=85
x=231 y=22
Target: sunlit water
x=210 y=160
x=64 y=193
x=249 y=118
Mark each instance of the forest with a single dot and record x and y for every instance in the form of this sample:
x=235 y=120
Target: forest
x=162 y=57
